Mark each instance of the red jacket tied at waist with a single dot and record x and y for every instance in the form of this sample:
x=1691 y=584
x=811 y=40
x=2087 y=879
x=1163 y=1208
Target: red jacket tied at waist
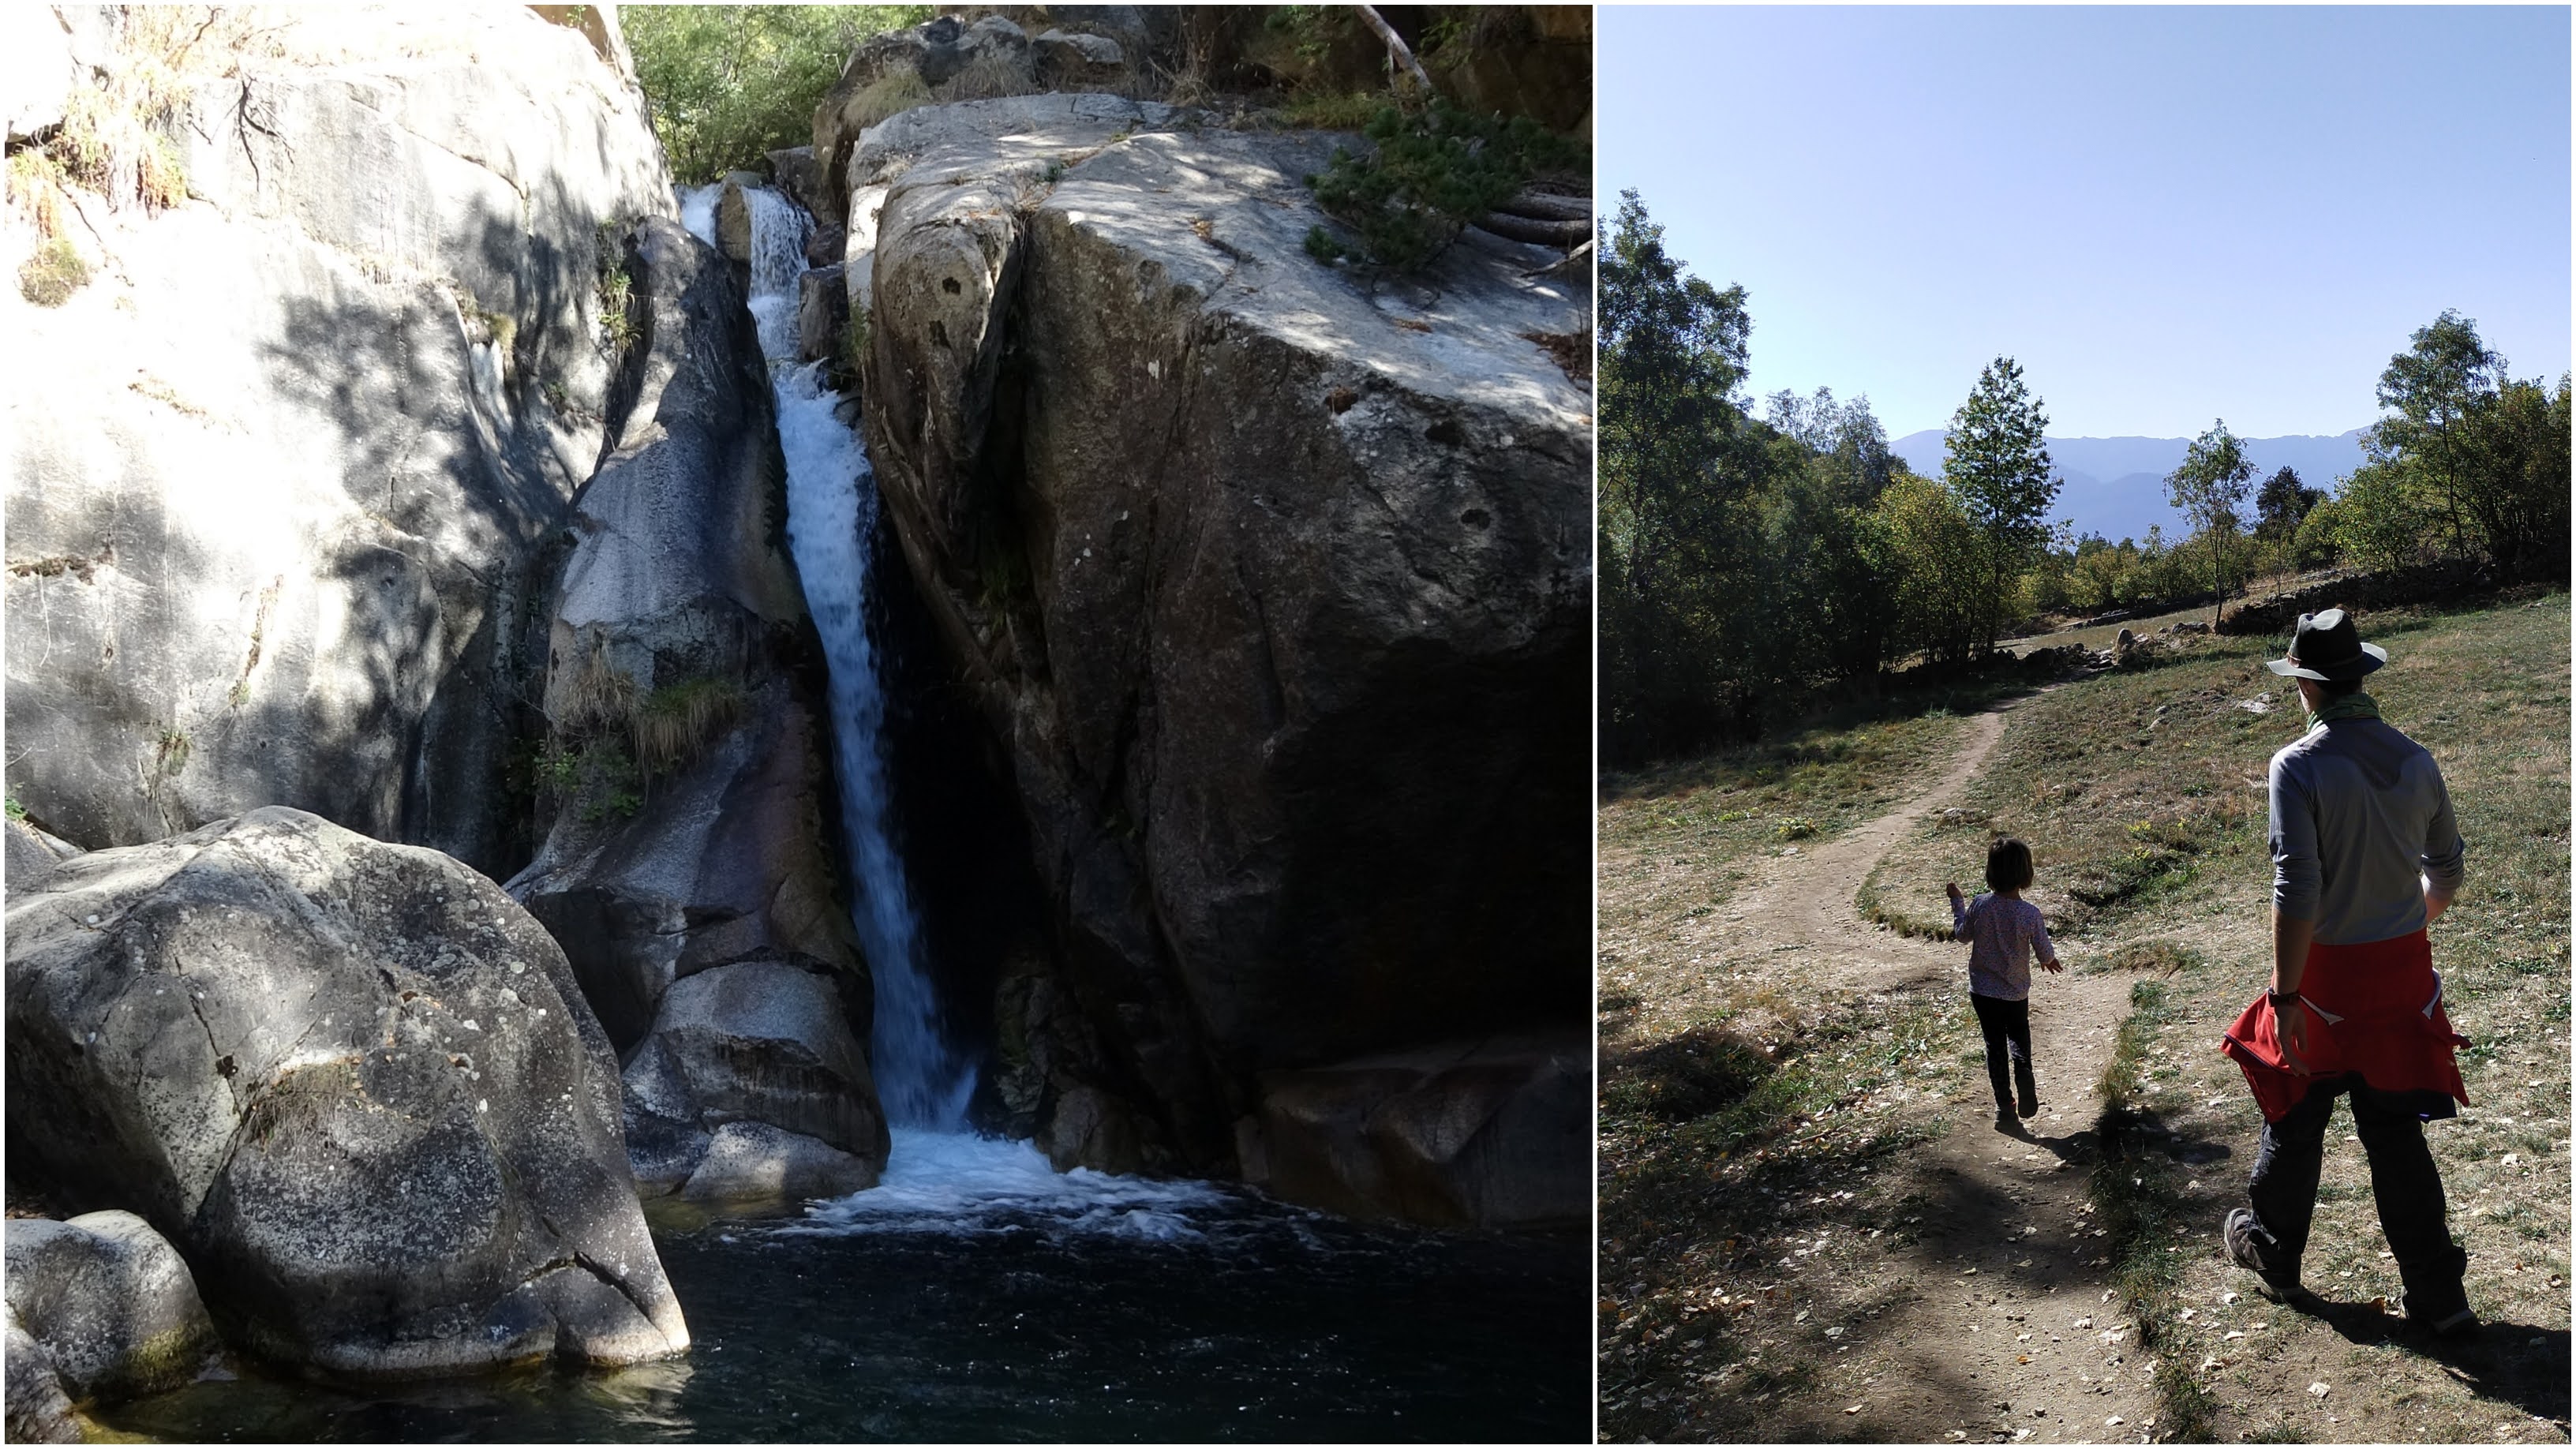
x=2373 y=1008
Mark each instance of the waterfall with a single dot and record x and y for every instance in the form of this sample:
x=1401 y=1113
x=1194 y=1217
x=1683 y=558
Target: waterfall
x=831 y=523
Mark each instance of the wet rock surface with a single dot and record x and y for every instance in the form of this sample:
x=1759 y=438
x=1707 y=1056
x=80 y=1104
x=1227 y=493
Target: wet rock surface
x=39 y=1412
x=1492 y=1133
x=754 y=1043
x=353 y=1082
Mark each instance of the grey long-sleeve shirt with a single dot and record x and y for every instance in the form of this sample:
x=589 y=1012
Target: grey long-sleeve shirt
x=2357 y=810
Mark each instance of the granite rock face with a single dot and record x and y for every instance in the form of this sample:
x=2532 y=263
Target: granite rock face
x=685 y=687
x=282 y=496
x=353 y=1082
x=1276 y=584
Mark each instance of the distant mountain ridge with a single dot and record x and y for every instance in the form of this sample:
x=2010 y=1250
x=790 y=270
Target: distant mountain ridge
x=2116 y=486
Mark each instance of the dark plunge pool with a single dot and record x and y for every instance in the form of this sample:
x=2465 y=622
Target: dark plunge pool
x=977 y=1299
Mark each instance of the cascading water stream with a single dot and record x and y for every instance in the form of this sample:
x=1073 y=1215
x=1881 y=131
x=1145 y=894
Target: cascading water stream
x=831 y=522
x=940 y=1176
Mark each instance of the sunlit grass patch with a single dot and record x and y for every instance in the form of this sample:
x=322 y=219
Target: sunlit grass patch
x=1673 y=838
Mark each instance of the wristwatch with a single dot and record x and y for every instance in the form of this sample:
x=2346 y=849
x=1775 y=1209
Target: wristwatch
x=2282 y=998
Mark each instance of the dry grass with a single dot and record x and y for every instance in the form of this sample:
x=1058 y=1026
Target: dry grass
x=989 y=76
x=896 y=91
x=1720 y=1156
x=598 y=696
x=2147 y=826
x=53 y=273
x=675 y=723
x=1671 y=839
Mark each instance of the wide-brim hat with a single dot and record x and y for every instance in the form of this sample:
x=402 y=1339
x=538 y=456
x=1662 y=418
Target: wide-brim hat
x=2327 y=647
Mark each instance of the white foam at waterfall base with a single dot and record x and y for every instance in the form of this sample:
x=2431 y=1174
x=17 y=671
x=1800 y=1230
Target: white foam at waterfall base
x=958 y=1183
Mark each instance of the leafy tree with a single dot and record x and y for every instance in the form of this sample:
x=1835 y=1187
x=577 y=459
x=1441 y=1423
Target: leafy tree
x=2209 y=488
x=1998 y=467
x=2380 y=522
x=1680 y=463
x=2514 y=479
x=2284 y=503
x=1945 y=595
x=731 y=83
x=2434 y=386
x=2319 y=540
x=1846 y=435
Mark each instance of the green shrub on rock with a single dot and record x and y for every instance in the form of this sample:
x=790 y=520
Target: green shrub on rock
x=1432 y=173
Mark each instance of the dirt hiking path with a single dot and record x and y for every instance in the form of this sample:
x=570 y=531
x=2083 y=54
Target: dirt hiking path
x=1980 y=1308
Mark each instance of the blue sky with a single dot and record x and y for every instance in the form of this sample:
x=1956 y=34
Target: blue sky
x=2167 y=214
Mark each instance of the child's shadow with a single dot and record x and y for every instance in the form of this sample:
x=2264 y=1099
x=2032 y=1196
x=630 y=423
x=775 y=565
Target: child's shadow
x=2073 y=1146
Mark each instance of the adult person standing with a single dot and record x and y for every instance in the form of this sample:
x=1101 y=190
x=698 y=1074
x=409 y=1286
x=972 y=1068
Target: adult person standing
x=2365 y=854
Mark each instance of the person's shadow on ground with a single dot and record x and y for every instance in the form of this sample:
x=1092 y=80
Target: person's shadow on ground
x=2514 y=1363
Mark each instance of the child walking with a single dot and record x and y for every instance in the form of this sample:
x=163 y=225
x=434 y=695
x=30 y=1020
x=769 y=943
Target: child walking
x=2002 y=930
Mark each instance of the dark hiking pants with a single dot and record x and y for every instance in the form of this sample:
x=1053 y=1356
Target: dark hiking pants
x=2402 y=1177
x=2007 y=1028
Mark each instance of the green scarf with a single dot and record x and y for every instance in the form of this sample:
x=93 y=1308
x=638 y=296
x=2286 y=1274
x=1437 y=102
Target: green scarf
x=2356 y=705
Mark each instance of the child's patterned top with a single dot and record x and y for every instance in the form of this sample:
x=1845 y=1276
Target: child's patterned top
x=2001 y=932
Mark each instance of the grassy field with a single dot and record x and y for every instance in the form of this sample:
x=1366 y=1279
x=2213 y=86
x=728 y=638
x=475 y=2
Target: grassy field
x=1672 y=844
x=2141 y=795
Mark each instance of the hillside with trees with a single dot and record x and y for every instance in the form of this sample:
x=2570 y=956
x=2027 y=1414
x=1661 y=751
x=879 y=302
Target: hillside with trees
x=1756 y=564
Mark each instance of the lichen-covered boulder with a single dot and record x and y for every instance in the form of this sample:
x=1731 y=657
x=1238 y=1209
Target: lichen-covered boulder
x=111 y=1302
x=356 y=1085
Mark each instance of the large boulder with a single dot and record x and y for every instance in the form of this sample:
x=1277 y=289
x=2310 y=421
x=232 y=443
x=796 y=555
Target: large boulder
x=1491 y=1133
x=685 y=683
x=1276 y=583
x=284 y=488
x=926 y=61
x=110 y=1301
x=760 y=1044
x=32 y=855
x=356 y=1085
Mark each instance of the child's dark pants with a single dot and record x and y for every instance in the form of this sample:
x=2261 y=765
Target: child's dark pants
x=2007 y=1028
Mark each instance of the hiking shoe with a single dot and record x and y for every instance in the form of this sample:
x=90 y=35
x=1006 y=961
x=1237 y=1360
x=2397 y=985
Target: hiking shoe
x=2244 y=1248
x=2458 y=1323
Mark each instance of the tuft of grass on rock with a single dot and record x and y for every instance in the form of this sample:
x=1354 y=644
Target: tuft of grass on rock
x=49 y=277
x=891 y=94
